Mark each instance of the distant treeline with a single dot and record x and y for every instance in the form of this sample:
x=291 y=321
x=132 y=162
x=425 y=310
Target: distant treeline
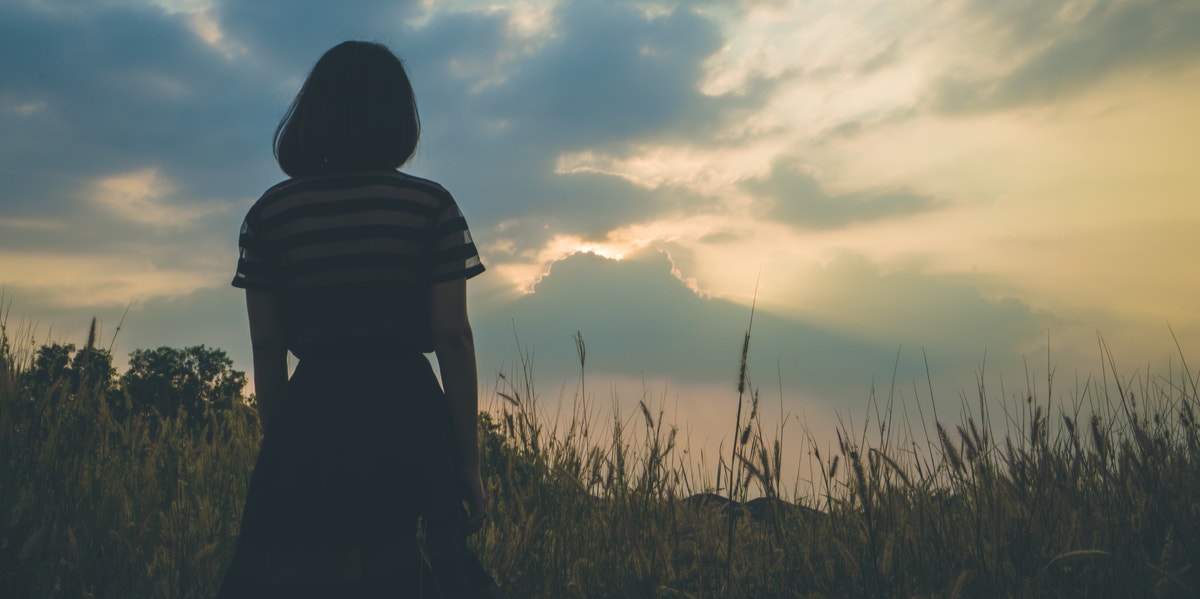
x=165 y=382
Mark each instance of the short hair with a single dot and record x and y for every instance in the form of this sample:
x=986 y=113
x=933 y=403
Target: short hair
x=356 y=111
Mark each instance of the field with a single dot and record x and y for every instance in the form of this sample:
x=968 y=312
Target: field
x=1094 y=493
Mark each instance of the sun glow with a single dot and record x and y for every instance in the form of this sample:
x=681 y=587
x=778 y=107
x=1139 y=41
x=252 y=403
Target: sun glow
x=533 y=265
x=602 y=251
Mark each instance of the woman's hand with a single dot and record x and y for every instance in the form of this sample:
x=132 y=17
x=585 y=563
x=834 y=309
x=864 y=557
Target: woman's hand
x=476 y=499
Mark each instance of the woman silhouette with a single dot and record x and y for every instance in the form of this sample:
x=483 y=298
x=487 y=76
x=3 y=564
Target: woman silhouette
x=358 y=270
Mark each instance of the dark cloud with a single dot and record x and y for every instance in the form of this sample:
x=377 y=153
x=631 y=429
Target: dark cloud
x=111 y=88
x=608 y=77
x=638 y=319
x=116 y=89
x=121 y=89
x=609 y=74
x=1110 y=38
x=289 y=35
x=907 y=306
x=797 y=198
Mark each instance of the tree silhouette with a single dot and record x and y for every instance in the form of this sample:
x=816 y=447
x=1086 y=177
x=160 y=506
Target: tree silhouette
x=91 y=368
x=51 y=367
x=169 y=380
x=166 y=381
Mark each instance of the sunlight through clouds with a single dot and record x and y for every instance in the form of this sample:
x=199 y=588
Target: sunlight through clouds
x=536 y=265
x=851 y=109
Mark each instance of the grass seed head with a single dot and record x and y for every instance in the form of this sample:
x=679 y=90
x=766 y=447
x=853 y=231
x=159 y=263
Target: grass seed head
x=969 y=444
x=948 y=449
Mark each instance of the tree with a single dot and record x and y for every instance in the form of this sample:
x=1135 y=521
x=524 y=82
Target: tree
x=93 y=368
x=169 y=380
x=90 y=369
x=51 y=366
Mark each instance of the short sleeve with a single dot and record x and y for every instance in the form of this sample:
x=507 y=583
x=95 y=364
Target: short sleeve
x=453 y=254
x=254 y=270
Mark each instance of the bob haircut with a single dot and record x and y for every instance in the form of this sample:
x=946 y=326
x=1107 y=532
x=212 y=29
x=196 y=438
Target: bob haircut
x=355 y=112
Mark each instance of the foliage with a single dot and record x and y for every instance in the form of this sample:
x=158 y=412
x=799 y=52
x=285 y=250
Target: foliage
x=1100 y=498
x=187 y=382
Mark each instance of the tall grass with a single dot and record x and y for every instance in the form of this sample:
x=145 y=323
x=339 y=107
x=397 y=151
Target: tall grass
x=96 y=506
x=1093 y=494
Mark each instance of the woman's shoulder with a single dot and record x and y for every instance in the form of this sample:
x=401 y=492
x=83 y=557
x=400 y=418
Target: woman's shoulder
x=280 y=196
x=345 y=181
x=428 y=184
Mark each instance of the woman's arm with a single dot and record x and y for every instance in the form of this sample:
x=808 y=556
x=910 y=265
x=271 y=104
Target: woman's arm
x=455 y=348
x=270 y=353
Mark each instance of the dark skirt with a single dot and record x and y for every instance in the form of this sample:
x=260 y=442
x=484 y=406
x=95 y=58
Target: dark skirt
x=361 y=448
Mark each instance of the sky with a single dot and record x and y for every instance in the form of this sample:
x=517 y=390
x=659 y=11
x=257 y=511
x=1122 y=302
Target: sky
x=916 y=197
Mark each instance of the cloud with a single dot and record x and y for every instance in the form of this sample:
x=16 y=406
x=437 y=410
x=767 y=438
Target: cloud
x=608 y=76
x=125 y=236
x=907 y=306
x=288 y=36
x=640 y=319
x=1062 y=50
x=160 y=127
x=142 y=197
x=797 y=198
x=636 y=318
x=140 y=140
x=499 y=108
x=122 y=87
x=60 y=280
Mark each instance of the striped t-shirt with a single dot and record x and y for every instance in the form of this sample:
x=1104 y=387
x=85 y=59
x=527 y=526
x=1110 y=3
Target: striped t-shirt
x=353 y=257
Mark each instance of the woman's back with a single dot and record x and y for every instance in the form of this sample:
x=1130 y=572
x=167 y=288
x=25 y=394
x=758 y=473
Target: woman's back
x=353 y=256
x=359 y=270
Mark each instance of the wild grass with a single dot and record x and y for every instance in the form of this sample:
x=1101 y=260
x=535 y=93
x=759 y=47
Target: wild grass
x=1096 y=493
x=96 y=506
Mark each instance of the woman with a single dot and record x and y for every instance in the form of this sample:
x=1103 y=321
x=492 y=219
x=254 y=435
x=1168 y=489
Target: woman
x=358 y=270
